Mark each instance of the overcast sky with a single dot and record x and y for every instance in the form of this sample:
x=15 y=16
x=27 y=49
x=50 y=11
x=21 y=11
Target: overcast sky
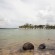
x=18 y=12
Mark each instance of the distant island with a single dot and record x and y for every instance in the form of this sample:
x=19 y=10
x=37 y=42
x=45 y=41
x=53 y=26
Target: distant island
x=30 y=26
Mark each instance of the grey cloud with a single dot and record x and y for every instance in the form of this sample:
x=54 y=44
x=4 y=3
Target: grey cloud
x=27 y=1
x=1 y=19
x=5 y=5
x=18 y=12
x=47 y=19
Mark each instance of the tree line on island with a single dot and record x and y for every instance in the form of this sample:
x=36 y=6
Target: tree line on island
x=30 y=26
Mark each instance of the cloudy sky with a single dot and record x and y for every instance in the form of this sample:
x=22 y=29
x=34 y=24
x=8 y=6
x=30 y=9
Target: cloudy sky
x=18 y=12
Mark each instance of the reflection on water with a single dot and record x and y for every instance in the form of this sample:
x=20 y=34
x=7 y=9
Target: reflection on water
x=12 y=40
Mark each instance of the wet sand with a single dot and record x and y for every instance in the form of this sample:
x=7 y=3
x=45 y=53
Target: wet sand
x=9 y=52
x=16 y=49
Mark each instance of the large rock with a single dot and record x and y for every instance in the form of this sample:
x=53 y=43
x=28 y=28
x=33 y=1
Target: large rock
x=28 y=46
x=42 y=46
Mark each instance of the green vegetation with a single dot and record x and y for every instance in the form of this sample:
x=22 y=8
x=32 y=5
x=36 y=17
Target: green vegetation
x=30 y=26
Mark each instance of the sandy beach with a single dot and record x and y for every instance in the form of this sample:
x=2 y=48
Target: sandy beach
x=9 y=52
x=15 y=49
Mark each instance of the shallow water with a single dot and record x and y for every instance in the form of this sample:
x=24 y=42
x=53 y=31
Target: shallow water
x=13 y=39
x=8 y=36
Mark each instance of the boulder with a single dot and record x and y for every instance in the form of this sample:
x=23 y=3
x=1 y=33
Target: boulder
x=42 y=46
x=28 y=46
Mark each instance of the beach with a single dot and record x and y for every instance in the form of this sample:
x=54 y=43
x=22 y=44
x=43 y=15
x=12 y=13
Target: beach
x=16 y=50
x=12 y=40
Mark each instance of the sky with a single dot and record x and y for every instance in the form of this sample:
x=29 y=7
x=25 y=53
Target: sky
x=14 y=13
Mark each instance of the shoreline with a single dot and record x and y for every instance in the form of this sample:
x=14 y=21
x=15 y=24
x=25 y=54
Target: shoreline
x=16 y=52
x=15 y=49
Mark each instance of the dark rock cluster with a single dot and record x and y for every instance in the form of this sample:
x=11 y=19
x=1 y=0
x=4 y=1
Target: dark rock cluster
x=42 y=46
x=28 y=46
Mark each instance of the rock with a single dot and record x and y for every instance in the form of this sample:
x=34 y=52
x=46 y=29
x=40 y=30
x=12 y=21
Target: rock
x=28 y=46
x=42 y=46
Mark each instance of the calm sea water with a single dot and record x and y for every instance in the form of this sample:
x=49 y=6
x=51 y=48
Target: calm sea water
x=8 y=36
